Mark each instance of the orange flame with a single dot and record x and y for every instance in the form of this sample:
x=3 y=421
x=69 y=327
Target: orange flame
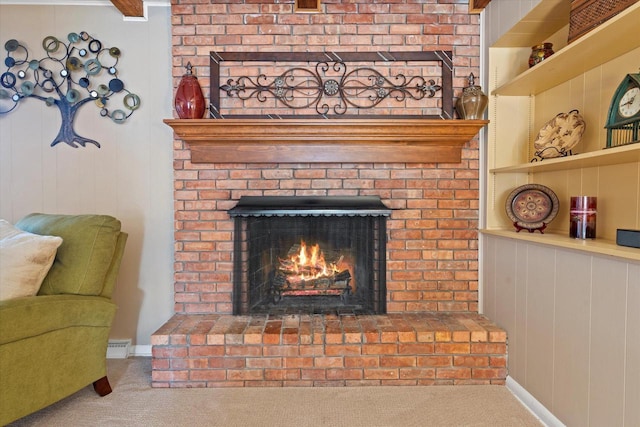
x=308 y=264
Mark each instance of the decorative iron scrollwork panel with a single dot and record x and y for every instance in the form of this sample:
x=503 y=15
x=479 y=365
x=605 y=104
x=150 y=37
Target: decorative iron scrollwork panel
x=333 y=85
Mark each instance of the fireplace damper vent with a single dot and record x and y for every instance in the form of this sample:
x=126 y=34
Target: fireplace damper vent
x=309 y=255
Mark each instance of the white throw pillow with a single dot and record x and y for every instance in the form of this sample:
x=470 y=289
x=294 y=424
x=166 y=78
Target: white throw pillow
x=25 y=260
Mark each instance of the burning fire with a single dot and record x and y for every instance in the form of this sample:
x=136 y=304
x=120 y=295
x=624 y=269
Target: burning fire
x=308 y=264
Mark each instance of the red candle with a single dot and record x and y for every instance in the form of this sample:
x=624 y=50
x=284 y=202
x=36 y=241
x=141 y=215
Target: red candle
x=582 y=216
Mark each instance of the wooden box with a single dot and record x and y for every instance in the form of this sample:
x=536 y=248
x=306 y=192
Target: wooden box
x=586 y=15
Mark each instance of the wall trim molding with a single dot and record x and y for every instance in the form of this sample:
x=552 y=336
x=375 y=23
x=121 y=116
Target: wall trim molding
x=147 y=3
x=133 y=351
x=140 y=351
x=532 y=404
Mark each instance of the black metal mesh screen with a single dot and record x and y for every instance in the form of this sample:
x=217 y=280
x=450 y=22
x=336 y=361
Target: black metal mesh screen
x=264 y=244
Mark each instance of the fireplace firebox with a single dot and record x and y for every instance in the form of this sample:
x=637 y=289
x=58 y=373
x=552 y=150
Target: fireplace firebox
x=308 y=255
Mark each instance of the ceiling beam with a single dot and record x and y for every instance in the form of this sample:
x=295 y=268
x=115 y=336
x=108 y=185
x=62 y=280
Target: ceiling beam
x=476 y=6
x=133 y=8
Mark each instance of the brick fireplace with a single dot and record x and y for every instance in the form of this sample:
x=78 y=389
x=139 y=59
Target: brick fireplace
x=432 y=333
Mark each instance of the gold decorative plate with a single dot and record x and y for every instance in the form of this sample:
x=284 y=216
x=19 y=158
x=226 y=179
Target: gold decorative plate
x=559 y=135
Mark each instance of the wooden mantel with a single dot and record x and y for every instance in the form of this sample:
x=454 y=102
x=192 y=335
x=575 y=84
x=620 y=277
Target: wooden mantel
x=325 y=140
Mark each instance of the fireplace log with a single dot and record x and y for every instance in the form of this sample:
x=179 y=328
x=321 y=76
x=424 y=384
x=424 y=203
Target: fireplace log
x=343 y=275
x=335 y=281
x=336 y=285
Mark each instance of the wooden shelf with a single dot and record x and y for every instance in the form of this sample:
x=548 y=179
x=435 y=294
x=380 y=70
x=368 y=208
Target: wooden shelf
x=610 y=156
x=325 y=140
x=609 y=40
x=596 y=246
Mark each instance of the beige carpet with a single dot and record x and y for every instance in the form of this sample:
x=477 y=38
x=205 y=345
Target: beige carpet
x=134 y=403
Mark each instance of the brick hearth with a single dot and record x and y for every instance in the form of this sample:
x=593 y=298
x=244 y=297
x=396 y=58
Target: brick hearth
x=327 y=350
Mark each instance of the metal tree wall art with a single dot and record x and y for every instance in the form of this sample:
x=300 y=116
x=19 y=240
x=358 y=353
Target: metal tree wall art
x=71 y=75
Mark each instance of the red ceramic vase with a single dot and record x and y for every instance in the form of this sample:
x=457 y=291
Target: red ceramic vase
x=189 y=101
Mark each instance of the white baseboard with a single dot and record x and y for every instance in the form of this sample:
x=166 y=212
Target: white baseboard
x=538 y=409
x=141 y=351
x=122 y=349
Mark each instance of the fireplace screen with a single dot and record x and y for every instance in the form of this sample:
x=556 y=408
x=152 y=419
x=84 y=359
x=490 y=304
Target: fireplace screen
x=309 y=255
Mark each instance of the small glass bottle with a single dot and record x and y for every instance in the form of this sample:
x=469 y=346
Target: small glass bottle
x=582 y=214
x=539 y=53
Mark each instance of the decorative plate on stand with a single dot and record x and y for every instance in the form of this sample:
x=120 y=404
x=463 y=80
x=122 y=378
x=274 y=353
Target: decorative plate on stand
x=559 y=135
x=531 y=207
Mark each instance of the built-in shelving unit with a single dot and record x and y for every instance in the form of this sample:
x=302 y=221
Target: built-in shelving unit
x=569 y=306
x=516 y=113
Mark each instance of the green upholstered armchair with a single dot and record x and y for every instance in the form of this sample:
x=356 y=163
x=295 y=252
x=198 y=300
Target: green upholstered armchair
x=55 y=343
